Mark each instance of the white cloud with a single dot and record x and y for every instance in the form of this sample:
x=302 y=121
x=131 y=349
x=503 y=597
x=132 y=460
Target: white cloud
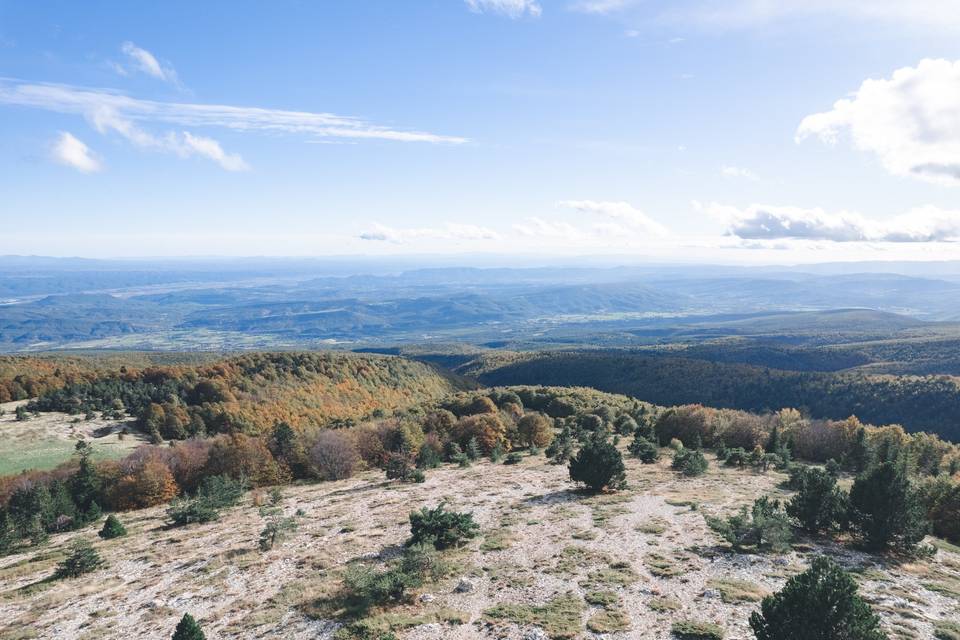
x=72 y=152
x=510 y=8
x=762 y=222
x=147 y=63
x=450 y=231
x=81 y=101
x=184 y=143
x=549 y=229
x=739 y=172
x=911 y=121
x=622 y=212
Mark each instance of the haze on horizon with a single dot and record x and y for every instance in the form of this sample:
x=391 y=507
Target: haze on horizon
x=496 y=131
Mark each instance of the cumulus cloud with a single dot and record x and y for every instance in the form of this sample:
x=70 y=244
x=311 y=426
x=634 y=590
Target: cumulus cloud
x=549 y=229
x=82 y=101
x=450 y=231
x=72 y=152
x=145 y=62
x=621 y=212
x=510 y=8
x=911 y=121
x=763 y=222
x=739 y=172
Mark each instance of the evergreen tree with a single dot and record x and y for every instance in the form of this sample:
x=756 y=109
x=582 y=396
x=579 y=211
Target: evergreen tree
x=885 y=510
x=819 y=604
x=112 y=528
x=818 y=504
x=473 y=449
x=188 y=629
x=83 y=559
x=644 y=449
x=560 y=448
x=85 y=484
x=598 y=464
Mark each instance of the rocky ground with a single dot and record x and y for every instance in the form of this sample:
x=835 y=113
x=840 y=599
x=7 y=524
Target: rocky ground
x=550 y=562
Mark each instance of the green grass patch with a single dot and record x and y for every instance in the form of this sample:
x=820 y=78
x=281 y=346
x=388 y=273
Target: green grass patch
x=946 y=630
x=654 y=526
x=696 y=630
x=561 y=618
x=601 y=598
x=497 y=541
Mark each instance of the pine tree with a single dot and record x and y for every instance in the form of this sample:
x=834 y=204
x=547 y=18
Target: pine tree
x=83 y=559
x=473 y=449
x=819 y=604
x=85 y=484
x=885 y=510
x=598 y=464
x=112 y=528
x=188 y=629
x=818 y=504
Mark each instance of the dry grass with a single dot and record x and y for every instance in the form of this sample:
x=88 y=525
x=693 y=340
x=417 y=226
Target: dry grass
x=540 y=562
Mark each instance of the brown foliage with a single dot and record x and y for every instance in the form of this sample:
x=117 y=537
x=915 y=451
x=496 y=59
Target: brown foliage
x=487 y=428
x=239 y=455
x=534 y=430
x=333 y=456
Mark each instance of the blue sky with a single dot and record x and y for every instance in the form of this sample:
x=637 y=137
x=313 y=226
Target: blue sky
x=692 y=129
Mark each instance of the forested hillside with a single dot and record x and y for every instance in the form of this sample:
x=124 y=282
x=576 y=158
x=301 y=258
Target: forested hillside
x=247 y=393
x=919 y=403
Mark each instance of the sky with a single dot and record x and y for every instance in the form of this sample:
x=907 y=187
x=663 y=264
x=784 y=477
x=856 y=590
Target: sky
x=741 y=131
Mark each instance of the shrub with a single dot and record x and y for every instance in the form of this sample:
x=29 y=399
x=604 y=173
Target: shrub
x=112 y=528
x=472 y=449
x=885 y=510
x=431 y=453
x=365 y=586
x=333 y=456
x=240 y=455
x=400 y=468
x=534 y=430
x=441 y=528
x=686 y=423
x=83 y=558
x=514 y=457
x=737 y=457
x=149 y=484
x=941 y=499
x=188 y=629
x=215 y=493
x=689 y=462
x=763 y=526
x=488 y=429
x=819 y=504
x=644 y=449
x=598 y=464
x=278 y=526
x=560 y=449
x=819 y=604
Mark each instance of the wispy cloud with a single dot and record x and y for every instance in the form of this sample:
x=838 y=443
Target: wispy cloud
x=738 y=172
x=450 y=231
x=621 y=212
x=142 y=60
x=510 y=8
x=600 y=6
x=84 y=101
x=72 y=152
x=764 y=222
x=911 y=121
